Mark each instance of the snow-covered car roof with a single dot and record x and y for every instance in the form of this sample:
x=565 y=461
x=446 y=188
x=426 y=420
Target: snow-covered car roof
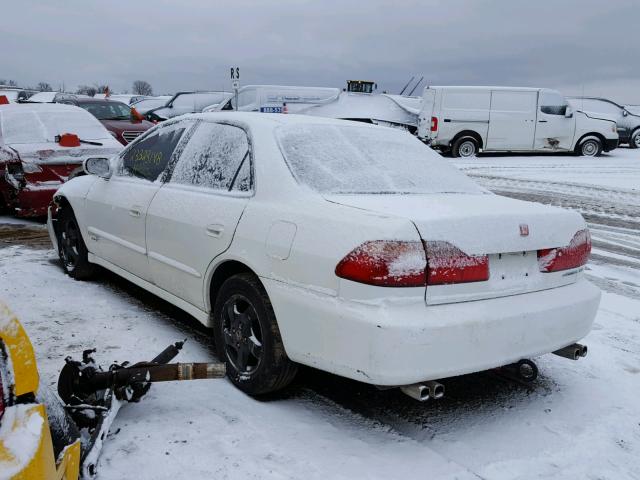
x=42 y=122
x=43 y=97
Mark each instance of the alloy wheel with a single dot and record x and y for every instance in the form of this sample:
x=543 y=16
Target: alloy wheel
x=242 y=334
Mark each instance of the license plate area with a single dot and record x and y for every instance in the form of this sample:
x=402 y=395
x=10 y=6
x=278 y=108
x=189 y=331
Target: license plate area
x=512 y=269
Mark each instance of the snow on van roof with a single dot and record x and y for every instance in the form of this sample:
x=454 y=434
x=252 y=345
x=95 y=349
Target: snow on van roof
x=272 y=120
x=480 y=87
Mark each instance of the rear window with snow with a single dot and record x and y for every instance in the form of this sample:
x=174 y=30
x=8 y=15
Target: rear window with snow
x=32 y=126
x=363 y=160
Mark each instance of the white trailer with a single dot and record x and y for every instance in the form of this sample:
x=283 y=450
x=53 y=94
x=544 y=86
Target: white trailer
x=466 y=120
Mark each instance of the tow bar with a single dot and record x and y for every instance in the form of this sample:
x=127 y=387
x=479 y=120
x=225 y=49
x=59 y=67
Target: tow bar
x=92 y=396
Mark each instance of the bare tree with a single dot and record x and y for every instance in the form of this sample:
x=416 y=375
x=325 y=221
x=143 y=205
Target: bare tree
x=44 y=87
x=142 y=87
x=86 y=90
x=101 y=88
x=9 y=83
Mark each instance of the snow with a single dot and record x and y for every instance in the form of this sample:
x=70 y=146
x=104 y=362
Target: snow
x=579 y=419
x=348 y=159
x=20 y=432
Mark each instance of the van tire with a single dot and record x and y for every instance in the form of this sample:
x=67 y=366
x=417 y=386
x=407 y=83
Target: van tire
x=634 y=140
x=590 y=147
x=254 y=323
x=465 y=147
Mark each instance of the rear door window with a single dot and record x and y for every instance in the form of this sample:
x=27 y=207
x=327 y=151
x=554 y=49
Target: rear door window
x=217 y=156
x=149 y=157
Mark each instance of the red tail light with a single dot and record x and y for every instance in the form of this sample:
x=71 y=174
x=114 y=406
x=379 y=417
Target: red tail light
x=448 y=264
x=4 y=100
x=573 y=255
x=385 y=263
x=434 y=124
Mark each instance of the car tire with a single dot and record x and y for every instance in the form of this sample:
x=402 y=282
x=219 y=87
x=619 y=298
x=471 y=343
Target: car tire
x=590 y=147
x=465 y=147
x=72 y=250
x=247 y=337
x=634 y=140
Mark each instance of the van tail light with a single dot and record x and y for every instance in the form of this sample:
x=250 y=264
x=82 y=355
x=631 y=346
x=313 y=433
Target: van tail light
x=68 y=140
x=573 y=255
x=447 y=264
x=434 y=124
x=385 y=263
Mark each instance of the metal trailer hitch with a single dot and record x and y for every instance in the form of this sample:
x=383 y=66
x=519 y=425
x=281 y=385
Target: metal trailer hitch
x=93 y=396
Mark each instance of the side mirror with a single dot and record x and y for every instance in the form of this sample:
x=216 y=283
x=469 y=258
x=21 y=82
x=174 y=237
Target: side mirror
x=624 y=113
x=568 y=113
x=99 y=166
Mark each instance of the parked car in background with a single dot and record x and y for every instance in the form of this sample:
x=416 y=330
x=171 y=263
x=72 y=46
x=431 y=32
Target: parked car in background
x=121 y=97
x=188 y=102
x=467 y=120
x=52 y=97
x=16 y=94
x=362 y=252
x=146 y=104
x=41 y=146
x=627 y=119
x=120 y=119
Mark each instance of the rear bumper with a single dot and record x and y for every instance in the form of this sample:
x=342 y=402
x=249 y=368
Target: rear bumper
x=400 y=344
x=610 y=144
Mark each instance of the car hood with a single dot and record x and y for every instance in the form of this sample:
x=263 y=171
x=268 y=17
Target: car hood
x=477 y=224
x=128 y=125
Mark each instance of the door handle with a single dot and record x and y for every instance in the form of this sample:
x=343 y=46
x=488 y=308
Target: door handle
x=542 y=121
x=134 y=212
x=215 y=230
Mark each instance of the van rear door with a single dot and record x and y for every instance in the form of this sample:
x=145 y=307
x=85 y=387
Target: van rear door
x=512 y=122
x=426 y=112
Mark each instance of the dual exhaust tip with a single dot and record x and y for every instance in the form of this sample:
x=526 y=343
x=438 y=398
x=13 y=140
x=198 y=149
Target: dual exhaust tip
x=574 y=351
x=424 y=391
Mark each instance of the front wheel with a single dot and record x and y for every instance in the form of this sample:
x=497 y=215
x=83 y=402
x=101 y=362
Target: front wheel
x=247 y=337
x=72 y=250
x=634 y=141
x=590 y=147
x=465 y=147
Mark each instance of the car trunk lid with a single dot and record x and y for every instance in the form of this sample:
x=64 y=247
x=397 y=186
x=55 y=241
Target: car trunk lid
x=510 y=232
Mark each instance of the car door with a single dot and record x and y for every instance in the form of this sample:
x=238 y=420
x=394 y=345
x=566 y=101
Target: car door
x=554 y=130
x=116 y=208
x=512 y=120
x=193 y=217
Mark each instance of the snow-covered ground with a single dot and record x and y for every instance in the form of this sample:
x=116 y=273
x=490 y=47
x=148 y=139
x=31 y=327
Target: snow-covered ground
x=579 y=420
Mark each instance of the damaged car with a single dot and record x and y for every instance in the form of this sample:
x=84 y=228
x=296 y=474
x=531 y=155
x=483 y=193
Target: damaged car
x=351 y=248
x=41 y=146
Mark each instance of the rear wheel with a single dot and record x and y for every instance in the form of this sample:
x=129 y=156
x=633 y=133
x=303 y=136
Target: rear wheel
x=634 y=141
x=465 y=147
x=247 y=337
x=72 y=250
x=590 y=147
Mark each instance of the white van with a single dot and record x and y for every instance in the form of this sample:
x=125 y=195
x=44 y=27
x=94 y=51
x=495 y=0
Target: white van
x=466 y=120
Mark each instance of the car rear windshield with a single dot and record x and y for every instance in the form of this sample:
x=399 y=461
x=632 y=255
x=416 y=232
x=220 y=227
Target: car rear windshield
x=367 y=160
x=107 y=110
x=30 y=126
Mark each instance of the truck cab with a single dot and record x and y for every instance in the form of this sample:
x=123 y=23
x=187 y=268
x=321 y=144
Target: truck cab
x=467 y=120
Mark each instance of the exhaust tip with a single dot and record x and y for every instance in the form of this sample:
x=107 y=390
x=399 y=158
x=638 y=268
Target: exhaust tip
x=417 y=391
x=436 y=389
x=573 y=351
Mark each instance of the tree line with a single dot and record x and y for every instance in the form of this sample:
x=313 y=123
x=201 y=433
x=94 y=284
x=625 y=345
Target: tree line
x=139 y=87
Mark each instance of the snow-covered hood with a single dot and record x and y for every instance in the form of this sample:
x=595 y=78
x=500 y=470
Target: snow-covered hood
x=477 y=224
x=598 y=116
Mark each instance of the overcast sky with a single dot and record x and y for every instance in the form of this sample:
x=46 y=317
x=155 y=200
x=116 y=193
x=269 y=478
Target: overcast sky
x=575 y=46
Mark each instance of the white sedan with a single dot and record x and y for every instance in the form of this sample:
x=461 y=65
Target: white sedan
x=348 y=247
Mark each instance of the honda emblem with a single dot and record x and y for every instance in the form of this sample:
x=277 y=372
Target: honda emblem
x=524 y=230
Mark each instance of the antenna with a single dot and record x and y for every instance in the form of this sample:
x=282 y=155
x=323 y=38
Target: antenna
x=416 y=85
x=405 y=87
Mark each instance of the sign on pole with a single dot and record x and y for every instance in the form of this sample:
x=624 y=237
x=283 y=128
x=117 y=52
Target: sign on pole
x=235 y=82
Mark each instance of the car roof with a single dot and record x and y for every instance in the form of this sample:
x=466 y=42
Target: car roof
x=601 y=99
x=98 y=100
x=39 y=107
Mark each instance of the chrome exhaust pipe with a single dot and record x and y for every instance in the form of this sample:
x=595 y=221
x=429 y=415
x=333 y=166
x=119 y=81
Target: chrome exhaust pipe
x=436 y=389
x=417 y=391
x=573 y=351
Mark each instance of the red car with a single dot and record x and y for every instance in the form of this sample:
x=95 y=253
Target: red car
x=124 y=123
x=41 y=146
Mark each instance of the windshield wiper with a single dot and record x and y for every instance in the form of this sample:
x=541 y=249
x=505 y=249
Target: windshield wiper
x=88 y=142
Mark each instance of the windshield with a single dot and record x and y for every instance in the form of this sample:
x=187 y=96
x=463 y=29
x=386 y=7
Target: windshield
x=108 y=110
x=21 y=126
x=143 y=106
x=367 y=160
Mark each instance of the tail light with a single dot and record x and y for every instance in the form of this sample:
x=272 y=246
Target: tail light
x=448 y=264
x=573 y=255
x=4 y=100
x=434 y=124
x=387 y=263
